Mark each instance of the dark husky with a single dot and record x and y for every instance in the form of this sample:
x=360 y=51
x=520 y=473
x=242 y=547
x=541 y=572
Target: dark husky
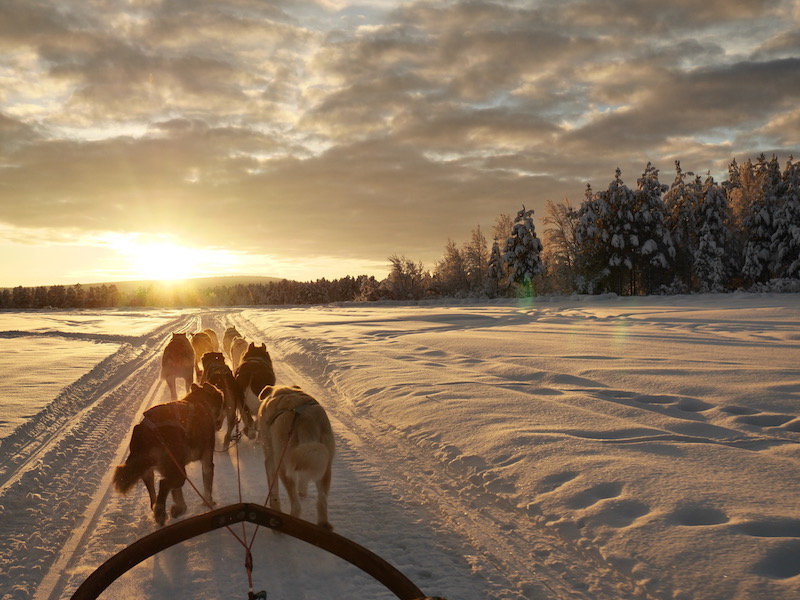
x=177 y=362
x=217 y=372
x=253 y=375
x=169 y=437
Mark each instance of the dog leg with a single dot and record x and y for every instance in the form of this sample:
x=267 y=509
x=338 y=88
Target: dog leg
x=171 y=384
x=291 y=491
x=149 y=482
x=323 y=486
x=230 y=411
x=178 y=503
x=208 y=476
x=160 y=506
x=274 y=499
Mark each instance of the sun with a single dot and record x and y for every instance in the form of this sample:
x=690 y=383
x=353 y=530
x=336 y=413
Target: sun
x=164 y=261
x=162 y=258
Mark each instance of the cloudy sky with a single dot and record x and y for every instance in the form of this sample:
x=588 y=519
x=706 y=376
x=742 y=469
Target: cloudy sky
x=315 y=139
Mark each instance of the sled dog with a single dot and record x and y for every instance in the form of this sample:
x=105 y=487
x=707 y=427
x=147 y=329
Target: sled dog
x=169 y=437
x=213 y=337
x=238 y=348
x=217 y=372
x=177 y=362
x=227 y=338
x=201 y=342
x=295 y=432
x=253 y=375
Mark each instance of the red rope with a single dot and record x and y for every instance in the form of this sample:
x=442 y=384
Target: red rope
x=248 y=560
x=275 y=479
x=194 y=487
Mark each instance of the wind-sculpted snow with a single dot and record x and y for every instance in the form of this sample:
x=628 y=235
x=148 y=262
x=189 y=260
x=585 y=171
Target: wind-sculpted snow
x=582 y=448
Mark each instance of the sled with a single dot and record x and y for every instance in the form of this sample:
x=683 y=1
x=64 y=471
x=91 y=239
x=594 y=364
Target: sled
x=173 y=534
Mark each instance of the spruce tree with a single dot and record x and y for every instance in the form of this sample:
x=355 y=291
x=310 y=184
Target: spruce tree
x=620 y=225
x=495 y=272
x=591 y=237
x=759 y=220
x=712 y=264
x=785 y=243
x=680 y=203
x=656 y=251
x=523 y=250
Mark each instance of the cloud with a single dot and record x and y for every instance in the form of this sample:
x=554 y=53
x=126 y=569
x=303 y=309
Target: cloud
x=360 y=131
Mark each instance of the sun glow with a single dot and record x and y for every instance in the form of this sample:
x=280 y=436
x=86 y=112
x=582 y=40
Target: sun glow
x=163 y=259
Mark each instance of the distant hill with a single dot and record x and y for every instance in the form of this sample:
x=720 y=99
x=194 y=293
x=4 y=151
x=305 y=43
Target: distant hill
x=197 y=282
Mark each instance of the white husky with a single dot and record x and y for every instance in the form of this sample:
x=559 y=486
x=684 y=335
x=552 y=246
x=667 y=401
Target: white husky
x=298 y=447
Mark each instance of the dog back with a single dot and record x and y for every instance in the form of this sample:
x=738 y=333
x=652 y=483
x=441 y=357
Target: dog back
x=179 y=352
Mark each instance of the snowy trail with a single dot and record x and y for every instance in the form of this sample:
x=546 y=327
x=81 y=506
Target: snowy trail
x=65 y=454
x=362 y=502
x=645 y=449
x=508 y=547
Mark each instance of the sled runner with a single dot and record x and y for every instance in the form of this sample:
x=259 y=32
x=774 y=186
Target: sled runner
x=181 y=531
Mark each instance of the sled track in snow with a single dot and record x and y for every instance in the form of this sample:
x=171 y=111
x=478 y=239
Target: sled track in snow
x=492 y=529
x=53 y=466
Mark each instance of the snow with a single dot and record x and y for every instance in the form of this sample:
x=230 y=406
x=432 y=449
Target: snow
x=583 y=447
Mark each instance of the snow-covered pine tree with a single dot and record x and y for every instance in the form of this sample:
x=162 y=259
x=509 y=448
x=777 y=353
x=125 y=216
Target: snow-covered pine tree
x=785 y=246
x=712 y=264
x=523 y=250
x=759 y=220
x=623 y=237
x=592 y=247
x=680 y=203
x=495 y=272
x=656 y=251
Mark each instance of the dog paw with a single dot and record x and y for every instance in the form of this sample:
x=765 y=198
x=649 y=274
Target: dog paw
x=177 y=510
x=160 y=515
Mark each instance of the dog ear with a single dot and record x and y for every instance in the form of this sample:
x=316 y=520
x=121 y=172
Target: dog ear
x=265 y=393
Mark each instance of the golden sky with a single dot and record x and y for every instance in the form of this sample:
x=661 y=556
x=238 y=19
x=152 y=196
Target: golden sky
x=150 y=138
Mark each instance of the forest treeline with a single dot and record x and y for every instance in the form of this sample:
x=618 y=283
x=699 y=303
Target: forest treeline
x=695 y=235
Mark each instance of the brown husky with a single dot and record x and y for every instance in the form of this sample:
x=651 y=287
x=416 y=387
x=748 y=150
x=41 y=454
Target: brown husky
x=238 y=348
x=201 y=342
x=227 y=338
x=212 y=335
x=169 y=437
x=178 y=363
x=217 y=372
x=295 y=432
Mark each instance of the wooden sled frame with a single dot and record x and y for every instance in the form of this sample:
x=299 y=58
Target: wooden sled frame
x=173 y=534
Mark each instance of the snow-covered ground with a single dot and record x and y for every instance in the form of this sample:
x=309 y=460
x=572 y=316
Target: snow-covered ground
x=582 y=448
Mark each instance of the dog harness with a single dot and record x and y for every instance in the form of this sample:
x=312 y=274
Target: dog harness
x=262 y=359
x=297 y=410
x=182 y=419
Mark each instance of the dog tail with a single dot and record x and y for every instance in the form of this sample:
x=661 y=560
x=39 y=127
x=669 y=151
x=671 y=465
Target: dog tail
x=126 y=475
x=309 y=461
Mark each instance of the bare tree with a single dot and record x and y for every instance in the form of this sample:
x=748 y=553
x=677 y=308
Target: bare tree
x=407 y=280
x=560 y=244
